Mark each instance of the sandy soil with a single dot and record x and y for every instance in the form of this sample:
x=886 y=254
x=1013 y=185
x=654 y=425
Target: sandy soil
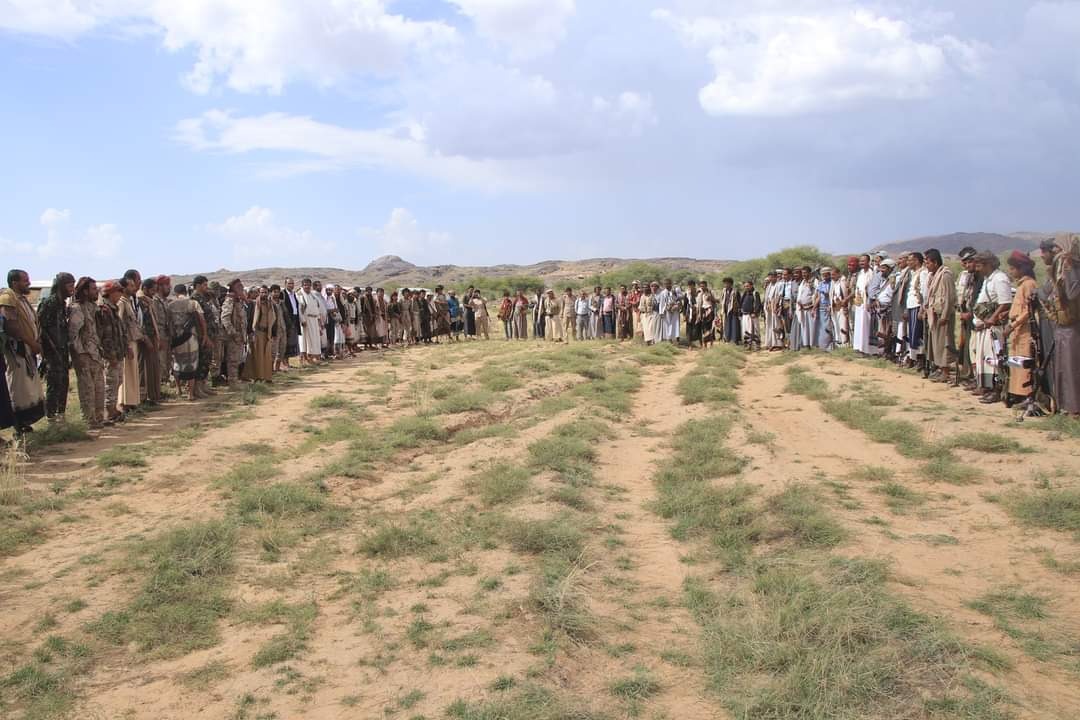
x=360 y=660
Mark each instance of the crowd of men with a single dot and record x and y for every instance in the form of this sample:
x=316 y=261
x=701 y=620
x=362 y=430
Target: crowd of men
x=128 y=340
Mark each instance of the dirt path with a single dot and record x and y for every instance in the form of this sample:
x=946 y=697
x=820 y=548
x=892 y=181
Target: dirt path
x=665 y=628
x=957 y=543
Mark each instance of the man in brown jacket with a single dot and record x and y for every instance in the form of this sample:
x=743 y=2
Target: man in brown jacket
x=940 y=308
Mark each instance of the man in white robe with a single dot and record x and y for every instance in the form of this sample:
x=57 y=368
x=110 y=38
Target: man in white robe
x=838 y=298
x=667 y=301
x=803 y=336
x=861 y=308
x=310 y=323
x=772 y=300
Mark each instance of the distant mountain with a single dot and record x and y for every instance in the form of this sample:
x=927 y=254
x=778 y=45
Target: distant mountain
x=955 y=242
x=392 y=272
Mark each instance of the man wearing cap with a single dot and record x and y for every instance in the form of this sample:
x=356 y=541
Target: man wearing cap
x=86 y=352
x=52 y=317
x=234 y=325
x=112 y=339
x=568 y=316
x=552 y=317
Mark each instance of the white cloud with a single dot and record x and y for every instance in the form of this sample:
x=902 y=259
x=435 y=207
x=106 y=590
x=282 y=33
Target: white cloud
x=256 y=236
x=527 y=28
x=490 y=110
x=824 y=56
x=402 y=235
x=63 y=241
x=63 y=19
x=253 y=45
x=103 y=241
x=328 y=147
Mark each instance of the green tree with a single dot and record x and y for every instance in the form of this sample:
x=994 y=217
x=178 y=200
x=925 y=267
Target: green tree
x=799 y=256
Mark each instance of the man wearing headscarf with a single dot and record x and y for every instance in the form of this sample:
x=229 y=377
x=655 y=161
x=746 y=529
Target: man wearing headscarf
x=112 y=339
x=940 y=306
x=862 y=327
x=234 y=325
x=86 y=352
x=160 y=306
x=152 y=343
x=991 y=313
x=1062 y=258
x=967 y=289
x=52 y=316
x=21 y=350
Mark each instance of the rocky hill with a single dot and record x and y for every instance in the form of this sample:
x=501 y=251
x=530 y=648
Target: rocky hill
x=391 y=271
x=955 y=242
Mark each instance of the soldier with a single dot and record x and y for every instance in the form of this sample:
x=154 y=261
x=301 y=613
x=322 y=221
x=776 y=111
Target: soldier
x=55 y=351
x=217 y=362
x=235 y=329
x=160 y=307
x=86 y=352
x=21 y=349
x=131 y=316
x=211 y=312
x=152 y=342
x=112 y=340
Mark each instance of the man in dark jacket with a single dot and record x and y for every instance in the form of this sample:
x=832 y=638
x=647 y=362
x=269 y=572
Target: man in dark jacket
x=52 y=316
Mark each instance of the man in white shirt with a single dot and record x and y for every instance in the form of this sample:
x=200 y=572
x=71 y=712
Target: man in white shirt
x=310 y=314
x=915 y=318
x=582 y=316
x=991 y=312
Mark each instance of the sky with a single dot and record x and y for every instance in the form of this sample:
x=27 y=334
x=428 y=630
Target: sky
x=178 y=136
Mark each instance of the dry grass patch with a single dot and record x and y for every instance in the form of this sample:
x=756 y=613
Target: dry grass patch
x=183 y=596
x=826 y=641
x=501 y=483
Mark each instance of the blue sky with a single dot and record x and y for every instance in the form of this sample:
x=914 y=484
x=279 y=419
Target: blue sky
x=187 y=135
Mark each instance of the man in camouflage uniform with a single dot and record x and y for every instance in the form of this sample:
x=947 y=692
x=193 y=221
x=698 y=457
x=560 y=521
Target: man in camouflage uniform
x=86 y=352
x=207 y=300
x=159 y=305
x=218 y=363
x=53 y=320
x=235 y=328
x=153 y=341
x=113 y=343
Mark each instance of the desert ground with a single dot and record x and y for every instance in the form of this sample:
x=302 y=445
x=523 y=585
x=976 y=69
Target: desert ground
x=516 y=530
